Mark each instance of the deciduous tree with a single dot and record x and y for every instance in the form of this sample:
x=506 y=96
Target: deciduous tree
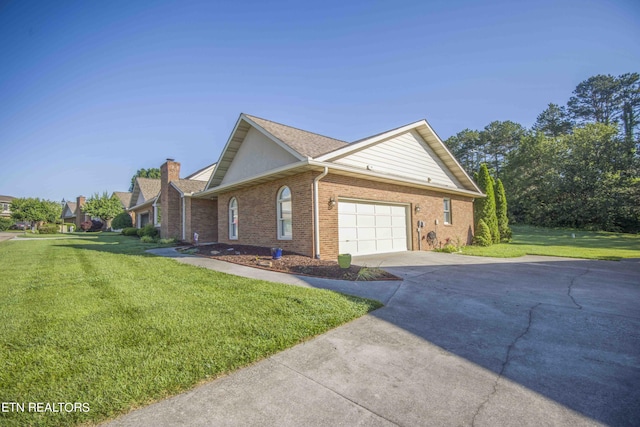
x=104 y=207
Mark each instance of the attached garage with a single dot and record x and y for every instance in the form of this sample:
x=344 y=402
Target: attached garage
x=368 y=227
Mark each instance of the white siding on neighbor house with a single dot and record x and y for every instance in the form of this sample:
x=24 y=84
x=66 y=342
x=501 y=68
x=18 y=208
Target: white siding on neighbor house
x=140 y=199
x=256 y=154
x=405 y=155
x=67 y=212
x=203 y=175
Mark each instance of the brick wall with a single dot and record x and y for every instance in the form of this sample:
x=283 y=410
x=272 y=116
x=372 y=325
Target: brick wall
x=80 y=216
x=201 y=218
x=170 y=224
x=431 y=204
x=171 y=214
x=257 y=214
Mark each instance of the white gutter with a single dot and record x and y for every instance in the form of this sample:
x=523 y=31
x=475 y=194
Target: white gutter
x=316 y=212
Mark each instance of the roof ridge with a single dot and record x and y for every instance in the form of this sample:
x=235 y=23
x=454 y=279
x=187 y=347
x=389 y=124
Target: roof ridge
x=293 y=127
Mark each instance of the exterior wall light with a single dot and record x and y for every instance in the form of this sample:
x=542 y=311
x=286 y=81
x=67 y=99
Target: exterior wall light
x=332 y=202
x=418 y=208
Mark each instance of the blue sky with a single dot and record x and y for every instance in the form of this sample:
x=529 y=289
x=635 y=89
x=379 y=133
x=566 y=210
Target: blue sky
x=92 y=91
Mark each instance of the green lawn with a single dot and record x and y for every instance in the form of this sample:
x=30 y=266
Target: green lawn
x=100 y=322
x=528 y=240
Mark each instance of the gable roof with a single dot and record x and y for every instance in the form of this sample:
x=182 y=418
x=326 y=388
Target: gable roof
x=148 y=187
x=71 y=207
x=188 y=186
x=300 y=144
x=125 y=197
x=311 y=151
x=427 y=133
x=307 y=144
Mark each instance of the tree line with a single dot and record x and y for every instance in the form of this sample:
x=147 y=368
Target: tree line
x=577 y=166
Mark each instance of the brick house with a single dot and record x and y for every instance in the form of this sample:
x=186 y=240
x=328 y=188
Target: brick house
x=182 y=215
x=143 y=208
x=279 y=186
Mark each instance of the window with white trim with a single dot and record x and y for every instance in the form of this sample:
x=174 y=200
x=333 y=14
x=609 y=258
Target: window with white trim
x=447 y=210
x=285 y=232
x=233 y=219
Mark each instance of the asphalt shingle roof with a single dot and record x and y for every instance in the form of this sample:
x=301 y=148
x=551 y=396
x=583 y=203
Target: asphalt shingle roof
x=189 y=185
x=149 y=187
x=125 y=197
x=308 y=144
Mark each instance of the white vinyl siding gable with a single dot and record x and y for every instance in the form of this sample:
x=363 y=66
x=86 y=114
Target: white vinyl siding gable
x=405 y=155
x=256 y=154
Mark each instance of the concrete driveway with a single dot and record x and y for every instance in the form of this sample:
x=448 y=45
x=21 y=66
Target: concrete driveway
x=6 y=236
x=461 y=341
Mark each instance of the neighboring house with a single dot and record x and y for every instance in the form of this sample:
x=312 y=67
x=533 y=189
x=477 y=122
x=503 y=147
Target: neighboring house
x=5 y=206
x=69 y=213
x=72 y=212
x=143 y=208
x=182 y=214
x=279 y=186
x=125 y=198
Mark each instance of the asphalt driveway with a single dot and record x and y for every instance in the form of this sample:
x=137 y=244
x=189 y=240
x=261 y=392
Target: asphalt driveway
x=461 y=341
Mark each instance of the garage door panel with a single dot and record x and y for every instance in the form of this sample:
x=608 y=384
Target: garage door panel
x=365 y=209
x=397 y=221
x=366 y=221
x=382 y=210
x=368 y=233
x=346 y=220
x=366 y=228
x=366 y=246
x=349 y=233
x=384 y=233
x=383 y=221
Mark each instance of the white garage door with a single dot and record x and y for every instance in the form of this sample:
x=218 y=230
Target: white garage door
x=367 y=228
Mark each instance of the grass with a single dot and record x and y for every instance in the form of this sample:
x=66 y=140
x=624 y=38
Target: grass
x=100 y=322
x=528 y=240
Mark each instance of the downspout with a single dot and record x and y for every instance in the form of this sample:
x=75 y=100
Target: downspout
x=316 y=212
x=184 y=219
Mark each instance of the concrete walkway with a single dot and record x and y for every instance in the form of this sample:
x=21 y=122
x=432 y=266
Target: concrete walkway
x=461 y=341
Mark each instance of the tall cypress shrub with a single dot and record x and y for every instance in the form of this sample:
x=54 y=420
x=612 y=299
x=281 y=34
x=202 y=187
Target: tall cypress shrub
x=501 y=212
x=485 y=208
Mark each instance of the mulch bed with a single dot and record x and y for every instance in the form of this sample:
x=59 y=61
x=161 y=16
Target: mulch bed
x=254 y=256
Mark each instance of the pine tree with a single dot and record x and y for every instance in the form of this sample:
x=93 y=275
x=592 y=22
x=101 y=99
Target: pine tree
x=485 y=209
x=501 y=212
x=483 y=234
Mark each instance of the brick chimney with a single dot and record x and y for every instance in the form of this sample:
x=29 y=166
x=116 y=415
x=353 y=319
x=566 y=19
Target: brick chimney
x=80 y=200
x=169 y=208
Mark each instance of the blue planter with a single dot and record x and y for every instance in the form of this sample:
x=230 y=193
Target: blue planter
x=276 y=253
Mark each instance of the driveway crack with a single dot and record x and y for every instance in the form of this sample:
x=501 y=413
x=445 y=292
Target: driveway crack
x=573 y=282
x=507 y=359
x=336 y=392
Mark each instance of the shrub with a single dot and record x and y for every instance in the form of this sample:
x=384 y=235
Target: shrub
x=121 y=221
x=148 y=230
x=130 y=231
x=147 y=239
x=483 y=234
x=48 y=229
x=167 y=241
x=5 y=223
x=93 y=225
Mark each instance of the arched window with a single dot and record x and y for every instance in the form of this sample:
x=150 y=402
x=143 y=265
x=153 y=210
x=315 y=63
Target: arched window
x=233 y=219
x=285 y=231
